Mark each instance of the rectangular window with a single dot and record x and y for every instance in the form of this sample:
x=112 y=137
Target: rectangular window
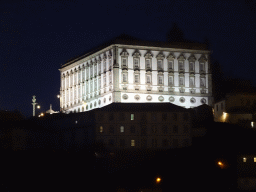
x=181 y=65
x=159 y=64
x=124 y=62
x=101 y=129
x=104 y=80
x=170 y=65
x=122 y=129
x=132 y=117
x=170 y=81
x=99 y=83
x=202 y=82
x=110 y=63
x=104 y=66
x=95 y=69
x=201 y=67
x=181 y=81
x=125 y=77
x=132 y=143
x=244 y=159
x=148 y=63
x=254 y=159
x=91 y=71
x=136 y=77
x=160 y=80
x=136 y=63
x=192 y=81
x=191 y=66
x=110 y=78
x=148 y=78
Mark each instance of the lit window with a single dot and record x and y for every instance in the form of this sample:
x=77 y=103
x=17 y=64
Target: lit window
x=191 y=66
x=191 y=81
x=122 y=129
x=202 y=82
x=170 y=80
x=170 y=64
x=181 y=66
x=136 y=78
x=101 y=129
x=136 y=63
x=148 y=63
x=159 y=64
x=124 y=77
x=148 y=78
x=252 y=124
x=132 y=116
x=124 y=62
x=244 y=159
x=160 y=80
x=132 y=143
x=181 y=81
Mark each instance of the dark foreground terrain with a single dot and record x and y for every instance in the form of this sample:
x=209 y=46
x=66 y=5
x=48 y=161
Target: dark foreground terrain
x=179 y=169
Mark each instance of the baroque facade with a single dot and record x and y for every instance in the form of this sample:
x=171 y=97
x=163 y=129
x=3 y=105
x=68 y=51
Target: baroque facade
x=137 y=72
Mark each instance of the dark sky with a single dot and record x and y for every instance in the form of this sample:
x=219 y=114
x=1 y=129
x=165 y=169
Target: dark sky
x=36 y=37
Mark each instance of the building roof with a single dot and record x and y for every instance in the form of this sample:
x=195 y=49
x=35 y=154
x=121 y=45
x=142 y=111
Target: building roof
x=129 y=40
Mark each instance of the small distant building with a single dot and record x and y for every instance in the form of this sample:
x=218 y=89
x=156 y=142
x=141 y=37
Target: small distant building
x=236 y=108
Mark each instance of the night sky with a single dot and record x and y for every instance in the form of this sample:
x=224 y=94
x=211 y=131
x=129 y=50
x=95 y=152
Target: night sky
x=37 y=37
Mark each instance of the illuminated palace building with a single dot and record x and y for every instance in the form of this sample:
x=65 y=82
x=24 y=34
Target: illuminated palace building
x=135 y=71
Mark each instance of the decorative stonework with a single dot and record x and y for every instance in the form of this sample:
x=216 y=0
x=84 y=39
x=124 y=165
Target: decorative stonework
x=192 y=58
x=125 y=96
x=160 y=56
x=148 y=55
x=161 y=98
x=137 y=97
x=203 y=101
x=104 y=100
x=171 y=99
x=202 y=58
x=124 y=53
x=136 y=54
x=192 y=100
x=182 y=99
x=170 y=56
x=149 y=98
x=110 y=98
x=181 y=57
x=99 y=102
x=95 y=104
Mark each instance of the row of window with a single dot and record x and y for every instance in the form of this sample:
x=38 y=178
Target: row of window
x=160 y=64
x=144 y=129
x=91 y=84
x=160 y=80
x=245 y=159
x=154 y=143
x=143 y=116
